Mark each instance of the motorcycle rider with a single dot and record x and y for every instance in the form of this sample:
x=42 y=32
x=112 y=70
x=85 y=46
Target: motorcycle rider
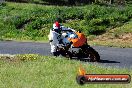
x=54 y=37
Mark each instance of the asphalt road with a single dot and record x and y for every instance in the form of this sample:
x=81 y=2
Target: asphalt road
x=117 y=57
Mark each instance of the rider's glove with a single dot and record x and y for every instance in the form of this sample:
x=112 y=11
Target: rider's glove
x=50 y=40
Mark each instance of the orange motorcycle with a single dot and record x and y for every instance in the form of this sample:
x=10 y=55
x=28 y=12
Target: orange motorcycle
x=77 y=47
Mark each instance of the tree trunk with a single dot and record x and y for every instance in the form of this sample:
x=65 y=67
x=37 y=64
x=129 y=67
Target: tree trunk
x=111 y=1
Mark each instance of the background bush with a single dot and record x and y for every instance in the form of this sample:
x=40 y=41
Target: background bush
x=31 y=21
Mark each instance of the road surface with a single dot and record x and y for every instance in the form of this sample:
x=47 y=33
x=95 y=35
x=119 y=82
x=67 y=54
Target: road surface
x=118 y=57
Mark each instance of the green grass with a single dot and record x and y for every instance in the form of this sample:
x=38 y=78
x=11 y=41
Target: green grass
x=34 y=71
x=126 y=28
x=32 y=22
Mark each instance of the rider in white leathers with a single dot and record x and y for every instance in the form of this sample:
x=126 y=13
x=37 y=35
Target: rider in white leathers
x=55 y=36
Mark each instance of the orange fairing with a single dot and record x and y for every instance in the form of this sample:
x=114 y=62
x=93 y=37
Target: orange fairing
x=77 y=42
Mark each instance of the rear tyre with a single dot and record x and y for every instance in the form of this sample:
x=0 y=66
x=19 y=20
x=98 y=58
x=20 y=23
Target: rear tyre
x=92 y=54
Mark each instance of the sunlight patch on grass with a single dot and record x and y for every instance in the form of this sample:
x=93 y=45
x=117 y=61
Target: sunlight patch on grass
x=52 y=72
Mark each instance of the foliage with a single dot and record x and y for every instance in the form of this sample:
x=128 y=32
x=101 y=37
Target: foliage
x=31 y=21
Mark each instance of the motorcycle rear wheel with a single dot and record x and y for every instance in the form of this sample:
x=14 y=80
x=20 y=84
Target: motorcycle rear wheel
x=92 y=54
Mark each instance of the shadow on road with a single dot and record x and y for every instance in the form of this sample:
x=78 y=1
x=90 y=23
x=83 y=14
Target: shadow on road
x=101 y=61
x=108 y=61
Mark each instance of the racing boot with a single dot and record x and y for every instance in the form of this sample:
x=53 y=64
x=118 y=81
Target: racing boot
x=55 y=53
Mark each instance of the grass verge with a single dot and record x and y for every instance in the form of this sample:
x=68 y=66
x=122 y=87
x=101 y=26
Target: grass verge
x=117 y=37
x=34 y=71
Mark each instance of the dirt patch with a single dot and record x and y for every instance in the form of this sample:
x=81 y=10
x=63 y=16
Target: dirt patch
x=126 y=37
x=107 y=37
x=123 y=40
x=9 y=59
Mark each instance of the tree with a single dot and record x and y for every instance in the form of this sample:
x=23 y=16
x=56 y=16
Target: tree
x=111 y=1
